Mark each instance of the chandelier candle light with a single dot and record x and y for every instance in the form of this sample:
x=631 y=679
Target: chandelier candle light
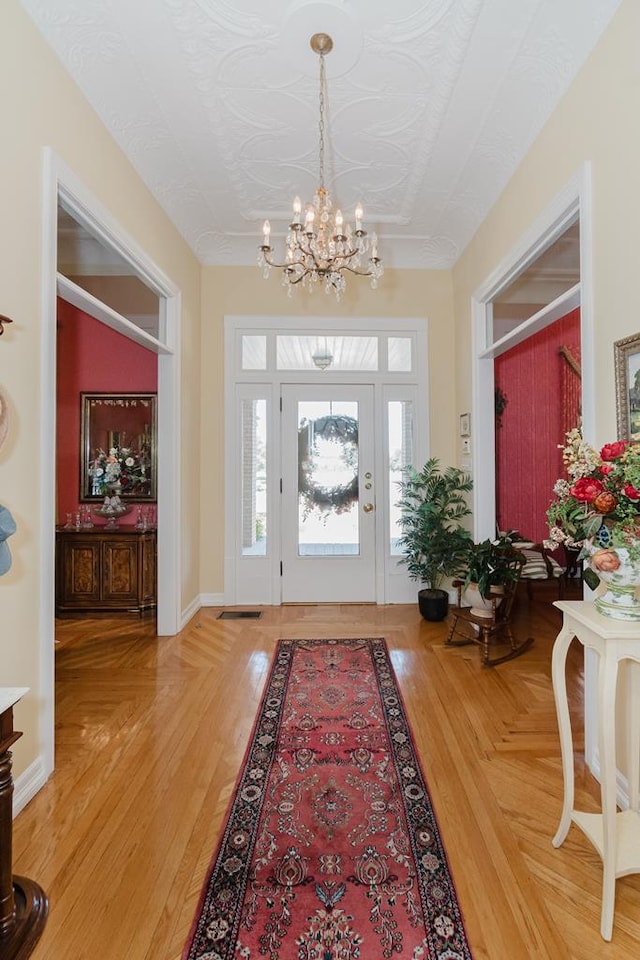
x=322 y=247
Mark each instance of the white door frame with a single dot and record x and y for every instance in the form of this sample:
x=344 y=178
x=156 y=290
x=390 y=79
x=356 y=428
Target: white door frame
x=60 y=180
x=573 y=202
x=257 y=579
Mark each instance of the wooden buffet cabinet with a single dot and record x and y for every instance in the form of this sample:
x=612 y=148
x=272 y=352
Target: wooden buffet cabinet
x=102 y=572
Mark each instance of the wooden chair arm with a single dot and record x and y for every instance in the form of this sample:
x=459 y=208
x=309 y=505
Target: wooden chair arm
x=459 y=585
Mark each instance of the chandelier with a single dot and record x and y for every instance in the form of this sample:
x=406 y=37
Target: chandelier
x=321 y=247
x=322 y=356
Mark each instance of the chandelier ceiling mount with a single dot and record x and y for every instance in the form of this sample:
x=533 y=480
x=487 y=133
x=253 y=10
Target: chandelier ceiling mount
x=322 y=248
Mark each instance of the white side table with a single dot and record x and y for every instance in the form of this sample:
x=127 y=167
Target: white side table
x=616 y=836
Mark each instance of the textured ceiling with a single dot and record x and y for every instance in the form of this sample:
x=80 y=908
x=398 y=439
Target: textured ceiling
x=431 y=105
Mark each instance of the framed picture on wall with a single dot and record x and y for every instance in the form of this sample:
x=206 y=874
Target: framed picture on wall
x=118 y=446
x=627 y=368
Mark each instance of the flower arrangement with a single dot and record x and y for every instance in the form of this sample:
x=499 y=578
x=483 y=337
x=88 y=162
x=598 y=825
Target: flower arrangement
x=121 y=466
x=600 y=501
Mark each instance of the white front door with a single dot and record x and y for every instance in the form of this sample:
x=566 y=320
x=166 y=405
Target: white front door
x=328 y=494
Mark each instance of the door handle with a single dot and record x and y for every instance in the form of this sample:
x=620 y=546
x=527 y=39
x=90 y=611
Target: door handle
x=368 y=507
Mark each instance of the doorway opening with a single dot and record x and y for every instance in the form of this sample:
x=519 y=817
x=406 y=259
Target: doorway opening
x=572 y=206
x=537 y=387
x=569 y=215
x=64 y=190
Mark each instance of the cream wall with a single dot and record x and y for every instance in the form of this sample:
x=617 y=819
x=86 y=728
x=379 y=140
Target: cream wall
x=243 y=291
x=40 y=106
x=596 y=121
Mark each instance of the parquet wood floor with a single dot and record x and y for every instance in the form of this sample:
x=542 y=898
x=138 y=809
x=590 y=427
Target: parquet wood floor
x=151 y=733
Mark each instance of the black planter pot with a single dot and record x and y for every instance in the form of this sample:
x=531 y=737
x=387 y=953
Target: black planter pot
x=433 y=604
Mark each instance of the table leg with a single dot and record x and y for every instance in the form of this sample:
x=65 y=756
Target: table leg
x=633 y=732
x=607 y=677
x=558 y=663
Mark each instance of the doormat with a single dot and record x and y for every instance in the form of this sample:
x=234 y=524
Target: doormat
x=239 y=615
x=331 y=849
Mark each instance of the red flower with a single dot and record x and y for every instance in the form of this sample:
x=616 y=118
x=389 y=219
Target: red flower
x=606 y=469
x=611 y=451
x=586 y=489
x=631 y=492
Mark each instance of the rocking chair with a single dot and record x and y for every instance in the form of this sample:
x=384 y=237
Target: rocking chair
x=491 y=628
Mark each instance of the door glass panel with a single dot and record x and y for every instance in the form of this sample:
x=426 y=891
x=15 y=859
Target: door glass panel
x=253 y=415
x=328 y=510
x=254 y=352
x=399 y=354
x=400 y=419
x=322 y=353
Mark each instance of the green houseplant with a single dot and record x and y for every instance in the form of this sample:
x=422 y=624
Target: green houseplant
x=490 y=564
x=434 y=543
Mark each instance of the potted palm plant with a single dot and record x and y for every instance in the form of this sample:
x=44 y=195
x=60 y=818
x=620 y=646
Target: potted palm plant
x=434 y=542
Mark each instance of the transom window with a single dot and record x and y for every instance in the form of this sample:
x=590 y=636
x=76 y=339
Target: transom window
x=370 y=353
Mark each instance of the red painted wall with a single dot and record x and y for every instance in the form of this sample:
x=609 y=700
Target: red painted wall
x=91 y=358
x=542 y=404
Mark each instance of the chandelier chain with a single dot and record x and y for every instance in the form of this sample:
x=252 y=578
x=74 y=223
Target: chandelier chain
x=321 y=98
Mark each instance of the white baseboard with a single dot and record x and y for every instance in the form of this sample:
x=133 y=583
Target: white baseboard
x=27 y=785
x=622 y=783
x=212 y=599
x=190 y=611
x=203 y=600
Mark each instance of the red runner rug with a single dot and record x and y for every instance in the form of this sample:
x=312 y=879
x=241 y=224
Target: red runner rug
x=331 y=849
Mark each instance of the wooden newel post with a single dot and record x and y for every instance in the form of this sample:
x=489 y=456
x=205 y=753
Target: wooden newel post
x=23 y=903
x=7 y=900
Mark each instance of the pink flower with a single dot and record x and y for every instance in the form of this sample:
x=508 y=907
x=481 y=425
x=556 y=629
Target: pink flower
x=611 y=451
x=605 y=560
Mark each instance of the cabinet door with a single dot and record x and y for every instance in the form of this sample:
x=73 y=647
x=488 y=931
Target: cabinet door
x=148 y=588
x=79 y=571
x=120 y=570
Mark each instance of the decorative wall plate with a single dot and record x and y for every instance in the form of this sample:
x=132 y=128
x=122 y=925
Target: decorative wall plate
x=4 y=418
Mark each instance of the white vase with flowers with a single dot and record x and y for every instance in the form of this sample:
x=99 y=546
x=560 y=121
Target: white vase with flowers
x=598 y=509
